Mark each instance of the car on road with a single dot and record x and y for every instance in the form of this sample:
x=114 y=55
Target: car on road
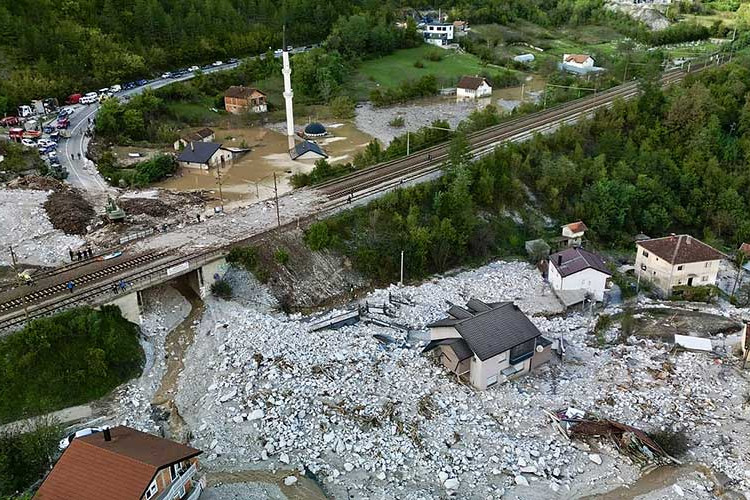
x=65 y=442
x=115 y=89
x=89 y=98
x=233 y=61
x=73 y=99
x=141 y=83
x=166 y=76
x=193 y=68
x=103 y=91
x=9 y=121
x=48 y=129
x=63 y=123
x=217 y=63
x=65 y=112
x=28 y=143
x=277 y=53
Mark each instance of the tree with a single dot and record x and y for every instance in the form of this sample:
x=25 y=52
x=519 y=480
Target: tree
x=342 y=107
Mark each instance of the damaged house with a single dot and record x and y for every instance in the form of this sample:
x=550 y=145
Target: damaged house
x=488 y=343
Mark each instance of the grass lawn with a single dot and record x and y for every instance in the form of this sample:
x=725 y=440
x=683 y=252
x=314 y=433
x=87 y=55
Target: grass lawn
x=393 y=69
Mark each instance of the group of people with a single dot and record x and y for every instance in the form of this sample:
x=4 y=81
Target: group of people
x=84 y=254
x=119 y=286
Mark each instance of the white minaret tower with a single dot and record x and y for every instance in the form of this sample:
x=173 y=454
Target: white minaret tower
x=288 y=94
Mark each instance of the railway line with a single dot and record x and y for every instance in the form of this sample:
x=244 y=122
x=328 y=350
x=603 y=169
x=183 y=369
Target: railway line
x=148 y=268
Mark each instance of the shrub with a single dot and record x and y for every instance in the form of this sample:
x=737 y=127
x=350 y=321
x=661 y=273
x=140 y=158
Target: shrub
x=317 y=237
x=67 y=359
x=418 y=64
x=245 y=257
x=25 y=456
x=222 y=289
x=694 y=293
x=281 y=256
x=675 y=443
x=397 y=122
x=342 y=107
x=434 y=55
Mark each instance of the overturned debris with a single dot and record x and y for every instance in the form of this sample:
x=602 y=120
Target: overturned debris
x=634 y=443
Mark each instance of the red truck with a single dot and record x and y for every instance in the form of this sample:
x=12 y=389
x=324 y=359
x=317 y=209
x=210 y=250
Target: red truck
x=73 y=99
x=9 y=121
x=15 y=134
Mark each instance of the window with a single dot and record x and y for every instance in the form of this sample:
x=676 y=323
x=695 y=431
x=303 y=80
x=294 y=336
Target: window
x=645 y=253
x=643 y=267
x=708 y=264
x=704 y=278
x=679 y=268
x=175 y=470
x=522 y=352
x=179 y=494
x=152 y=490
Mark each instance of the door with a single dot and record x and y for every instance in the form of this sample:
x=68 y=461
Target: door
x=690 y=281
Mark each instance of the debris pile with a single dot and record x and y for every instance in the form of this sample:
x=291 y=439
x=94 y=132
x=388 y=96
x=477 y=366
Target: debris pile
x=69 y=211
x=147 y=206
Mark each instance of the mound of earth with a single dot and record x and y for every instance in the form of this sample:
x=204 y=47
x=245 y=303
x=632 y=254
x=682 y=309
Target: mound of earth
x=146 y=206
x=66 y=208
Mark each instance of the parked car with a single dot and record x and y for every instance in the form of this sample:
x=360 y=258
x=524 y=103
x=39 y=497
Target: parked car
x=193 y=68
x=65 y=442
x=141 y=83
x=115 y=89
x=217 y=63
x=9 y=121
x=48 y=129
x=73 y=99
x=28 y=143
x=166 y=76
x=32 y=134
x=233 y=60
x=63 y=123
x=89 y=98
x=103 y=91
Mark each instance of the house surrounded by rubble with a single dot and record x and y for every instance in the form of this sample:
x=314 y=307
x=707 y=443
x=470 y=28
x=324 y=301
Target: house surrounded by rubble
x=488 y=343
x=124 y=464
x=576 y=269
x=676 y=260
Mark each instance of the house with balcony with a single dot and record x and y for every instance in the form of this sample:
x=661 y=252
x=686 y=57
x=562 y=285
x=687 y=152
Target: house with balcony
x=676 y=260
x=440 y=34
x=240 y=99
x=488 y=343
x=124 y=464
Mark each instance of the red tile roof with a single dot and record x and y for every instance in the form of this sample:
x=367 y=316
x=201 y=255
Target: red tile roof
x=241 y=92
x=471 y=82
x=121 y=469
x=578 y=58
x=680 y=249
x=576 y=227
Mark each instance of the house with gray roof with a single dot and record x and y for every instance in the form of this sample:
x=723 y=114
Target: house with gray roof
x=488 y=344
x=204 y=155
x=578 y=270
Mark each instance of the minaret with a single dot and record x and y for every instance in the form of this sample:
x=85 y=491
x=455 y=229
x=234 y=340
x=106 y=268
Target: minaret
x=288 y=93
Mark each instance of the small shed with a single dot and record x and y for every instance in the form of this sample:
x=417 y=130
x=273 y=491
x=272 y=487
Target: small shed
x=524 y=58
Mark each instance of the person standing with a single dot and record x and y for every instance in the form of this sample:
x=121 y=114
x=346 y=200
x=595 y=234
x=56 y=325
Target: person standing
x=79 y=255
x=70 y=252
x=70 y=286
x=115 y=288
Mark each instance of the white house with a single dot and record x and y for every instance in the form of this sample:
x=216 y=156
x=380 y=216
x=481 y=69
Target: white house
x=204 y=155
x=578 y=61
x=202 y=135
x=578 y=269
x=676 y=260
x=473 y=87
x=572 y=234
x=488 y=343
x=440 y=34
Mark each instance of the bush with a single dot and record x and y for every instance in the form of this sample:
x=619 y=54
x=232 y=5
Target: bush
x=674 y=443
x=317 y=237
x=342 y=107
x=281 y=256
x=694 y=293
x=222 y=289
x=410 y=89
x=418 y=64
x=434 y=55
x=245 y=257
x=67 y=359
x=26 y=456
x=397 y=122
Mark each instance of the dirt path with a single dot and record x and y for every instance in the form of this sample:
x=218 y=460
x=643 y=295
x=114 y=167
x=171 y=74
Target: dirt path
x=176 y=345
x=303 y=489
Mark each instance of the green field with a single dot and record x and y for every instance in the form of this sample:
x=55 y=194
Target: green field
x=393 y=69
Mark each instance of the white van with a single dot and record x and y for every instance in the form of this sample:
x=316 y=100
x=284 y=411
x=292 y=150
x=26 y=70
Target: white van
x=115 y=89
x=89 y=98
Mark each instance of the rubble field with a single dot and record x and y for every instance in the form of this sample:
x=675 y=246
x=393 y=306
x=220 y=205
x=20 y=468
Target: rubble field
x=368 y=420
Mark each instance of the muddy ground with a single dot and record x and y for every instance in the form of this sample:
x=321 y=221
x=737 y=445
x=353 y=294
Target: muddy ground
x=666 y=322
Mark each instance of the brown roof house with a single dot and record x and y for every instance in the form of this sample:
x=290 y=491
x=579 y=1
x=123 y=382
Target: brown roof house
x=488 y=343
x=239 y=99
x=124 y=464
x=676 y=260
x=572 y=234
x=575 y=273
x=579 y=61
x=473 y=87
x=202 y=135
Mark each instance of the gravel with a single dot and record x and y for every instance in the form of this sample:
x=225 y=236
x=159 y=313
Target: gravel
x=243 y=491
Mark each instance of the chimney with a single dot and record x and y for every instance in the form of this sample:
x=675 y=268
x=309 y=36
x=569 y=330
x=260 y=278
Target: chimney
x=192 y=146
x=687 y=239
x=672 y=236
x=107 y=435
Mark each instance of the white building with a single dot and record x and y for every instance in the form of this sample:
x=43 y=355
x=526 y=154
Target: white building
x=578 y=269
x=676 y=260
x=204 y=155
x=572 y=234
x=488 y=343
x=578 y=61
x=473 y=87
x=440 y=34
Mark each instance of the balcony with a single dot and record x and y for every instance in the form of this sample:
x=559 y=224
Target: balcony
x=178 y=483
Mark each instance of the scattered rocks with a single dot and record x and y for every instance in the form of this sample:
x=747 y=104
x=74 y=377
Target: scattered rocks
x=595 y=458
x=290 y=480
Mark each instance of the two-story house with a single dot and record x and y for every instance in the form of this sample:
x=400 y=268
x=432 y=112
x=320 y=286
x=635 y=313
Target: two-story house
x=204 y=155
x=440 y=34
x=488 y=343
x=676 y=260
x=473 y=87
x=578 y=269
x=202 y=135
x=124 y=464
x=572 y=234
x=240 y=99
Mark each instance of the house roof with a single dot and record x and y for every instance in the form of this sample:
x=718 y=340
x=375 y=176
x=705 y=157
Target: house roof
x=576 y=227
x=745 y=249
x=459 y=346
x=199 y=135
x=492 y=328
x=121 y=469
x=577 y=58
x=472 y=82
x=305 y=147
x=680 y=249
x=198 y=152
x=573 y=260
x=241 y=92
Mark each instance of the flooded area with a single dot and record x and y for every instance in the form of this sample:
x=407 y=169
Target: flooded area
x=250 y=175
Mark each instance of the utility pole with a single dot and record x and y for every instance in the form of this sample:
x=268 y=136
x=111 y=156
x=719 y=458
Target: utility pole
x=739 y=273
x=407 y=143
x=276 y=197
x=401 y=281
x=523 y=86
x=12 y=256
x=18 y=279
x=218 y=181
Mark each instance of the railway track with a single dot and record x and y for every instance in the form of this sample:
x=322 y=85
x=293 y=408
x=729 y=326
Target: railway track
x=366 y=182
